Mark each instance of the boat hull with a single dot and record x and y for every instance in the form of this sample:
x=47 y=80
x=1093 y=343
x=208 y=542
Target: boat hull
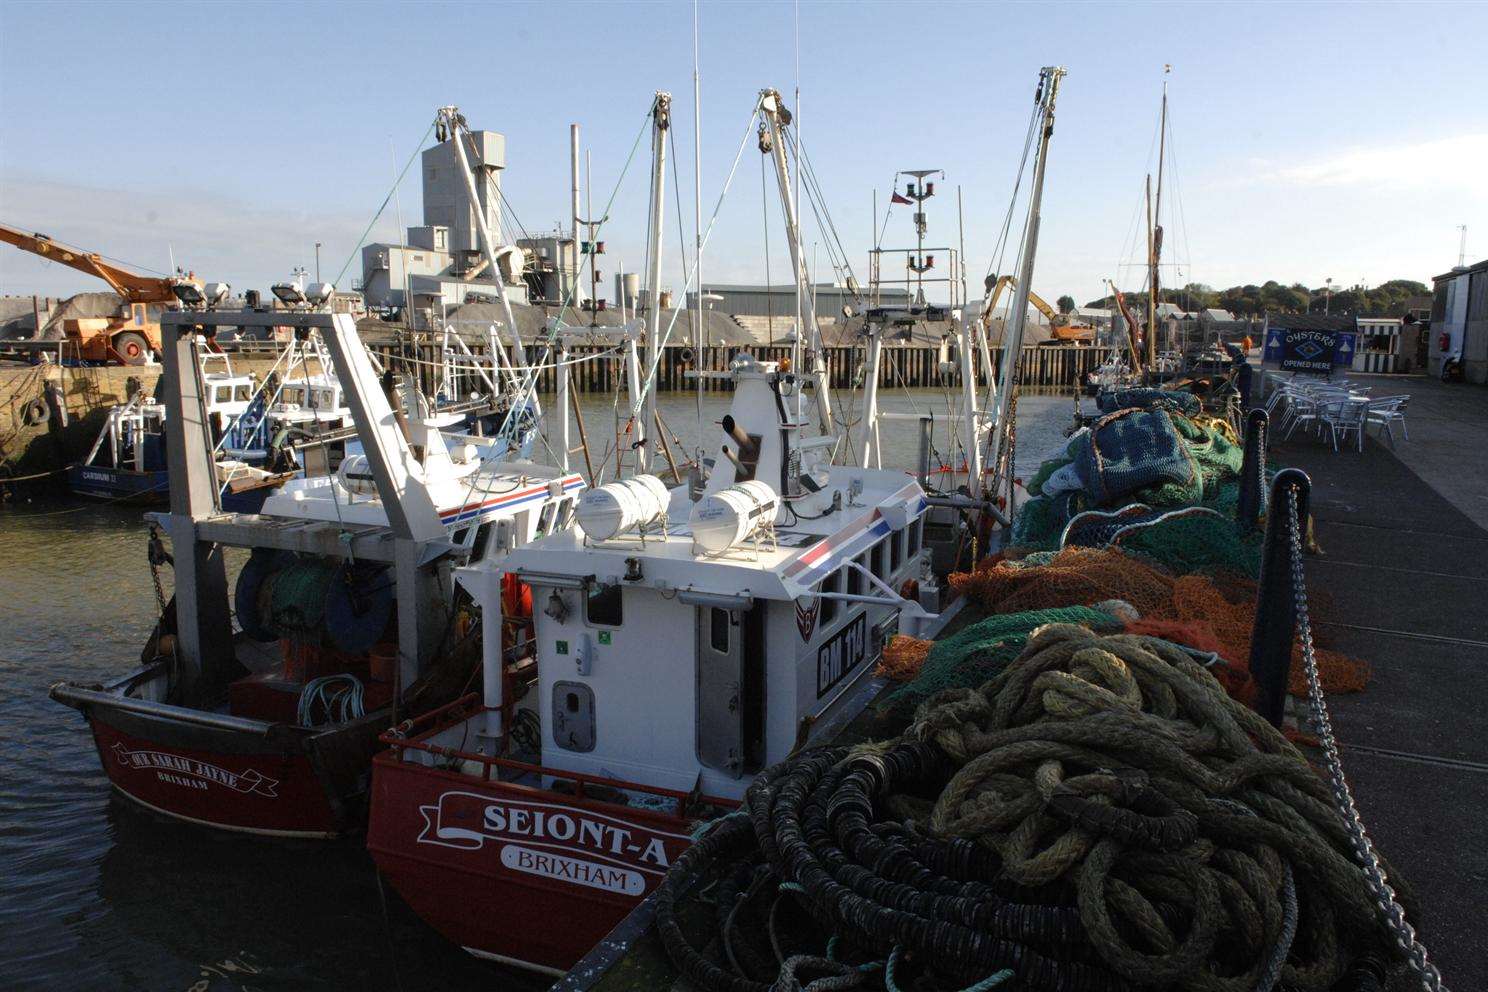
x=521 y=875
x=119 y=484
x=231 y=780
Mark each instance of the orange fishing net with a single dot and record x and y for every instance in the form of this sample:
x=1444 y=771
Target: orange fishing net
x=1074 y=577
x=903 y=657
x=1199 y=635
x=1208 y=614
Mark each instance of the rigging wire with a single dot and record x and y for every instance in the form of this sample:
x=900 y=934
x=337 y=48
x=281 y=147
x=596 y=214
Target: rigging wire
x=1180 y=214
x=677 y=194
x=529 y=384
x=769 y=291
x=826 y=227
x=508 y=210
x=385 y=200
x=894 y=189
x=1129 y=244
x=999 y=252
x=650 y=379
x=846 y=262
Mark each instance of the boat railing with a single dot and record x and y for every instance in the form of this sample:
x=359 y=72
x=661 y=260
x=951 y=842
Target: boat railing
x=407 y=736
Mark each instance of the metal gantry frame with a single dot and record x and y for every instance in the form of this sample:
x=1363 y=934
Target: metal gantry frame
x=199 y=529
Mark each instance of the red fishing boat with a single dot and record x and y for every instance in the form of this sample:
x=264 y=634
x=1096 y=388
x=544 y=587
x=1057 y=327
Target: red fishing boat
x=662 y=666
x=479 y=847
x=343 y=624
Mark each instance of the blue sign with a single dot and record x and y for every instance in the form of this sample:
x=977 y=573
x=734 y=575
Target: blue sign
x=1296 y=350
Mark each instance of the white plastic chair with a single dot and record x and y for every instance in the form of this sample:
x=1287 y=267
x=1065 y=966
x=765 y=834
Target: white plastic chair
x=1345 y=417
x=1301 y=409
x=1387 y=411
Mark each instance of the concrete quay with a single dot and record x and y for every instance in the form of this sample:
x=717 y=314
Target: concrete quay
x=1403 y=570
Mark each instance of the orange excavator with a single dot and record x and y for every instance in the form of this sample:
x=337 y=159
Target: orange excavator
x=1060 y=328
x=129 y=336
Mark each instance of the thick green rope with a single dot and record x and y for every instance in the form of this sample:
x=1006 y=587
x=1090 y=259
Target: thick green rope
x=1118 y=766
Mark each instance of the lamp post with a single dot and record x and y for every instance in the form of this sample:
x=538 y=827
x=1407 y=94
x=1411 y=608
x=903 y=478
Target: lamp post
x=317 y=261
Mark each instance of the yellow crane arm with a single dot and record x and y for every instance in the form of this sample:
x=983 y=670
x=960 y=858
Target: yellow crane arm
x=1042 y=307
x=132 y=286
x=1002 y=283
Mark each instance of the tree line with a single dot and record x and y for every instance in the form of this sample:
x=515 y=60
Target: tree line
x=1391 y=298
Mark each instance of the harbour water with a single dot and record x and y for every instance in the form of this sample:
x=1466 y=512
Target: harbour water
x=96 y=893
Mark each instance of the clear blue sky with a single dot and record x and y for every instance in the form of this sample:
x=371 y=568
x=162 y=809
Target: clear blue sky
x=1312 y=140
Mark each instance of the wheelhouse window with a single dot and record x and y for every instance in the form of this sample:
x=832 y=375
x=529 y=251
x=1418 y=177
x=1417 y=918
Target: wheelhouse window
x=829 y=606
x=913 y=536
x=603 y=606
x=877 y=556
x=896 y=549
x=718 y=634
x=855 y=577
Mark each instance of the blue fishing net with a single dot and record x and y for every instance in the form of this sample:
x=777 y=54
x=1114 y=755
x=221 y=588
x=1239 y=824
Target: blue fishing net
x=1134 y=469
x=1111 y=400
x=1132 y=450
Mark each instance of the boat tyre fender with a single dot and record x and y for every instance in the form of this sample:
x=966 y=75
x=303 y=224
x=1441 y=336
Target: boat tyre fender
x=35 y=413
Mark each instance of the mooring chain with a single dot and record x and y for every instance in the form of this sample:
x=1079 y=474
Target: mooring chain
x=157 y=556
x=1263 y=428
x=1374 y=875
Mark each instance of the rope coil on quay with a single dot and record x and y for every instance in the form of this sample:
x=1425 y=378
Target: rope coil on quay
x=1100 y=816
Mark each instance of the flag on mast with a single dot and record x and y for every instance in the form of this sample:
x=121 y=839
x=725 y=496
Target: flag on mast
x=896 y=198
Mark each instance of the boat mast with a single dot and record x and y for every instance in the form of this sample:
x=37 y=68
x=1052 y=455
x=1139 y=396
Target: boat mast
x=1157 y=231
x=576 y=293
x=808 y=345
x=1048 y=91
x=697 y=215
x=1151 y=279
x=661 y=122
x=458 y=129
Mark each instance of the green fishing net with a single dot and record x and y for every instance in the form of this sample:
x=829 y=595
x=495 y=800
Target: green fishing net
x=1200 y=542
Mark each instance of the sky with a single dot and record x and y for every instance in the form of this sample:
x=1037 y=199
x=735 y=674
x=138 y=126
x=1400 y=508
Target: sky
x=1308 y=141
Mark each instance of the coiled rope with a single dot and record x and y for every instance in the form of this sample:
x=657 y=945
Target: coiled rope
x=339 y=696
x=1100 y=816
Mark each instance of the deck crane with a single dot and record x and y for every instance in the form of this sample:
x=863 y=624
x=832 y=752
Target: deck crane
x=130 y=335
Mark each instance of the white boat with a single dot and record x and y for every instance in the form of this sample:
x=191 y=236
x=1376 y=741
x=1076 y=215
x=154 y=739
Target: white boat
x=672 y=643
x=642 y=666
